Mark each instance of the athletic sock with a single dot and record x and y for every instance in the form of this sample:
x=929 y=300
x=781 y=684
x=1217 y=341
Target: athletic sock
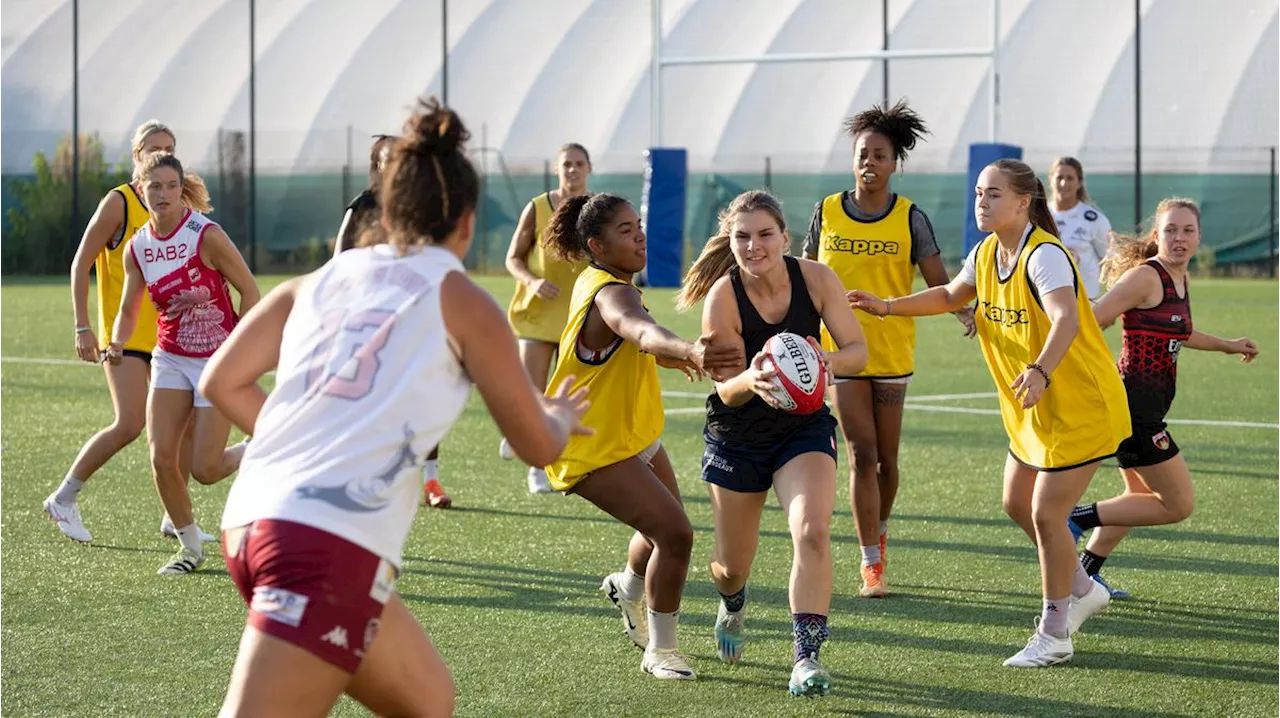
x=1053 y=619
x=430 y=470
x=810 y=631
x=1086 y=517
x=190 y=538
x=1092 y=562
x=662 y=630
x=884 y=527
x=631 y=585
x=68 y=490
x=1081 y=584
x=735 y=602
x=871 y=555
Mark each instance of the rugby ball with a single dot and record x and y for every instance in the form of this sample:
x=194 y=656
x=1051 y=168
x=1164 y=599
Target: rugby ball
x=800 y=381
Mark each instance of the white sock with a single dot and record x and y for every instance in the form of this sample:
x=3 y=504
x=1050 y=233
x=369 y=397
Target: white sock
x=632 y=585
x=1053 y=618
x=189 y=536
x=871 y=555
x=1081 y=584
x=68 y=490
x=884 y=527
x=430 y=470
x=662 y=630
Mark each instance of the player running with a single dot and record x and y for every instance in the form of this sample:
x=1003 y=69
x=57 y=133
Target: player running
x=753 y=292
x=1061 y=400
x=376 y=353
x=1150 y=291
x=613 y=346
x=875 y=239
x=119 y=216
x=184 y=261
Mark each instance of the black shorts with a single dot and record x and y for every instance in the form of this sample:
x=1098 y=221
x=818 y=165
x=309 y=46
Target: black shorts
x=137 y=354
x=740 y=466
x=1149 y=445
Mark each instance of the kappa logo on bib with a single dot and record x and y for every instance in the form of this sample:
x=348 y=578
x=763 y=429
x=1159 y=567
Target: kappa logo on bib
x=870 y=247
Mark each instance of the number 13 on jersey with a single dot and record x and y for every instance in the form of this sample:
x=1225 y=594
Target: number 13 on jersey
x=345 y=361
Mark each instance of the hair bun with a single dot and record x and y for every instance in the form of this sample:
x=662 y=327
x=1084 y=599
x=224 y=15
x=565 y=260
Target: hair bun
x=434 y=130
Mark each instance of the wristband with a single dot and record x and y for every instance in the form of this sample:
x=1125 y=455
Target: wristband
x=1043 y=373
x=82 y=330
x=888 y=307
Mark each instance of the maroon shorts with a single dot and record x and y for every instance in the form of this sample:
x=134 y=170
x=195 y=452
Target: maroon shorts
x=309 y=587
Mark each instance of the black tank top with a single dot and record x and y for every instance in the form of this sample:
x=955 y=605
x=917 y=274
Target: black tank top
x=1149 y=358
x=756 y=421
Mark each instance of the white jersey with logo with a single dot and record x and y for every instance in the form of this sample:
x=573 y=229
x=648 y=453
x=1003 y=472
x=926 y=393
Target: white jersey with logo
x=366 y=385
x=1084 y=230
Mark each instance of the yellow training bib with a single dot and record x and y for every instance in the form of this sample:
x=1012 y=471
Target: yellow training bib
x=874 y=257
x=626 y=400
x=530 y=316
x=1084 y=414
x=110 y=269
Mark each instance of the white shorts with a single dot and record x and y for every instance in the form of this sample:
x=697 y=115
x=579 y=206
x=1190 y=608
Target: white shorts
x=903 y=380
x=174 y=371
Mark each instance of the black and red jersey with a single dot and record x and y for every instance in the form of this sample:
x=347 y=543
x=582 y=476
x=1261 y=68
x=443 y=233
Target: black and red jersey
x=1149 y=359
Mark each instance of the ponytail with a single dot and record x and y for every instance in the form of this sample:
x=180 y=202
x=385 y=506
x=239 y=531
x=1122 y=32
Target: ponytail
x=714 y=262
x=1039 y=212
x=577 y=220
x=1127 y=251
x=194 y=193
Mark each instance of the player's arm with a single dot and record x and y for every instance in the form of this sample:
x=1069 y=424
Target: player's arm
x=130 y=298
x=935 y=275
x=537 y=428
x=620 y=308
x=935 y=300
x=106 y=221
x=851 y=357
x=230 y=379
x=522 y=242
x=218 y=253
x=813 y=237
x=720 y=319
x=1138 y=286
x=1244 y=346
x=347 y=233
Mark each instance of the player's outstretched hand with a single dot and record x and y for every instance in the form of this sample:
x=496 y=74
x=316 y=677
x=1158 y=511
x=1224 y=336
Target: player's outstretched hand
x=1246 y=348
x=691 y=370
x=567 y=409
x=708 y=354
x=867 y=302
x=965 y=316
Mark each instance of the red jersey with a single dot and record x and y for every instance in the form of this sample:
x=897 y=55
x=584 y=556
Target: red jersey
x=194 y=303
x=1149 y=358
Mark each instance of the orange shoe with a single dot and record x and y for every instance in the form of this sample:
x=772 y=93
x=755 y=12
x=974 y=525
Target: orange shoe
x=873 y=584
x=884 y=551
x=434 y=496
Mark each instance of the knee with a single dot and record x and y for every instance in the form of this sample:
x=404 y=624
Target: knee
x=437 y=702
x=812 y=538
x=866 y=460
x=888 y=468
x=676 y=538
x=127 y=428
x=164 y=458
x=206 y=471
x=731 y=571
x=1017 y=509
x=1180 y=507
x=1046 y=521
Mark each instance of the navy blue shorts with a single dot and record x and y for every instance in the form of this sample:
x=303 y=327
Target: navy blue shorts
x=745 y=467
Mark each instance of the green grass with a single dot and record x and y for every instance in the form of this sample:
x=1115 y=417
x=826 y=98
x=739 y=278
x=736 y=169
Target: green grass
x=505 y=583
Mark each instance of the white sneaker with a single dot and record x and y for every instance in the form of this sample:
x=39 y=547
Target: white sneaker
x=182 y=563
x=809 y=678
x=730 y=637
x=1080 y=609
x=168 y=531
x=668 y=665
x=538 y=482
x=1042 y=650
x=504 y=450
x=67 y=519
x=635 y=620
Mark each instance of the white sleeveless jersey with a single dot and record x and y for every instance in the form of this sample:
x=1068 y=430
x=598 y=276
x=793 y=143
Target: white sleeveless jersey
x=1085 y=231
x=366 y=385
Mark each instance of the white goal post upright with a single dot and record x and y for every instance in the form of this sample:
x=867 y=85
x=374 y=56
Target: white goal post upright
x=658 y=61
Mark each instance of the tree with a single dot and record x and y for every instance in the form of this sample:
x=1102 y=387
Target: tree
x=41 y=238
